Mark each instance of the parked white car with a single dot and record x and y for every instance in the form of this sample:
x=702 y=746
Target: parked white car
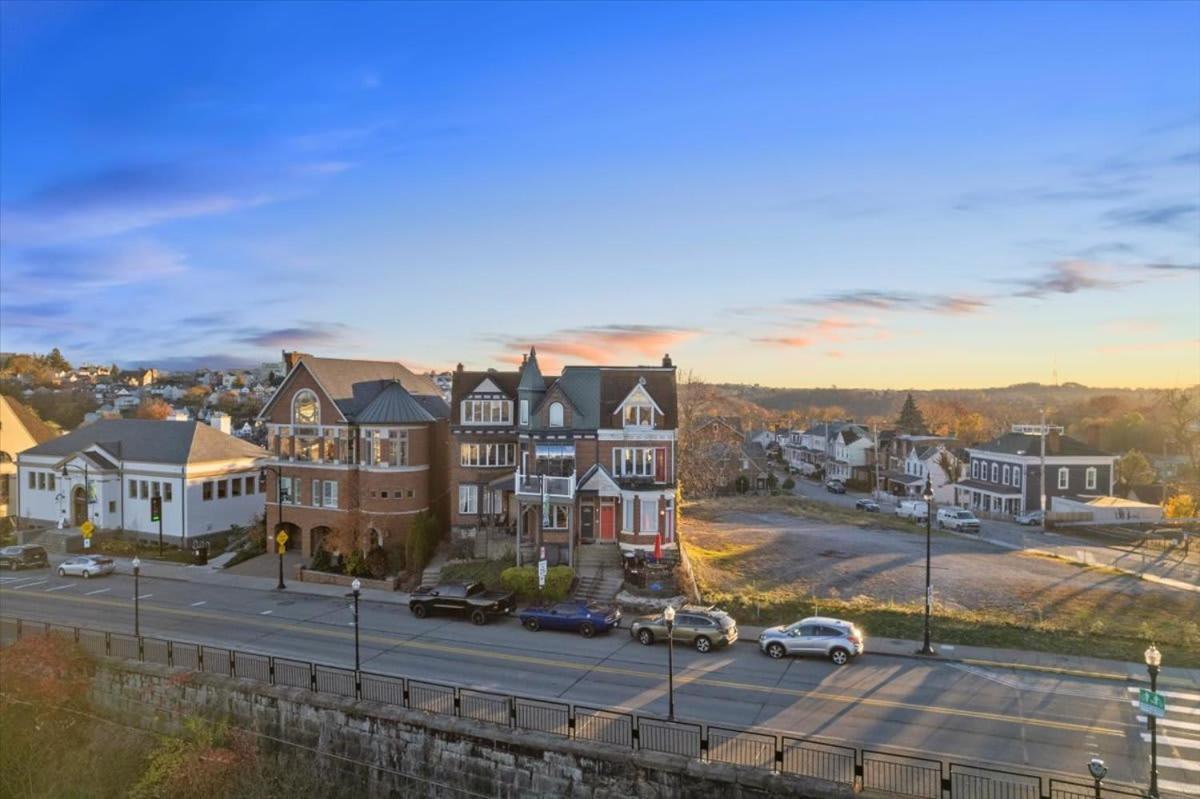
x=957 y=519
x=86 y=566
x=1029 y=519
x=913 y=510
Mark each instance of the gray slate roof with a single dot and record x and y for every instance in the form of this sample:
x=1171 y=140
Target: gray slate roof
x=354 y=384
x=394 y=405
x=1024 y=444
x=151 y=441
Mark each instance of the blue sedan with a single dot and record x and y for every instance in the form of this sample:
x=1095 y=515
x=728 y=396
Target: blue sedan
x=579 y=616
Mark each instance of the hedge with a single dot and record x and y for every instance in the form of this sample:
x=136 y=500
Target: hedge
x=522 y=580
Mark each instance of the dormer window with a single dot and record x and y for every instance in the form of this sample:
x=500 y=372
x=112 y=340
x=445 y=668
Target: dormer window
x=639 y=415
x=556 y=414
x=305 y=409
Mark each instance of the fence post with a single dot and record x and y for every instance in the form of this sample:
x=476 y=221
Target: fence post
x=570 y=721
x=312 y=677
x=270 y=669
x=232 y=664
x=170 y=654
x=512 y=711
x=108 y=644
x=635 y=736
x=75 y=630
x=18 y=629
x=457 y=702
x=704 y=743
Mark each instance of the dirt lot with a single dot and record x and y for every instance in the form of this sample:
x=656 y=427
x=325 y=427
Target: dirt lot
x=772 y=561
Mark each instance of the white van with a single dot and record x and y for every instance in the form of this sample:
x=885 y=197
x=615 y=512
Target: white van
x=957 y=519
x=913 y=510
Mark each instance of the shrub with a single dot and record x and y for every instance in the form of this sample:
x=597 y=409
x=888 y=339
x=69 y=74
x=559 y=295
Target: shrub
x=522 y=580
x=394 y=550
x=377 y=563
x=421 y=542
x=355 y=565
x=789 y=484
x=321 y=561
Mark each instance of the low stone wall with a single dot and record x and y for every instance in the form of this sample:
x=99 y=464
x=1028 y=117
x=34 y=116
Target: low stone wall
x=327 y=578
x=419 y=754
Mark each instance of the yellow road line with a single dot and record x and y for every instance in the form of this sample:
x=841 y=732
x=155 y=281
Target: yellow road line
x=817 y=695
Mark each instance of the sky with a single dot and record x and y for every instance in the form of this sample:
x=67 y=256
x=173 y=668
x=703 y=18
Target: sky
x=879 y=195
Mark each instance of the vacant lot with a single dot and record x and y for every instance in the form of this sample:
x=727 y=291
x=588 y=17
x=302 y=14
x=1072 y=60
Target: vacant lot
x=773 y=560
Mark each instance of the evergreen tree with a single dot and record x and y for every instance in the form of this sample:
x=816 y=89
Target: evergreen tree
x=57 y=362
x=911 y=421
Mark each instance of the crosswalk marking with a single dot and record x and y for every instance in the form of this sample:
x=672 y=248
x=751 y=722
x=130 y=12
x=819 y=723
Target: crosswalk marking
x=98 y=591
x=1174 y=740
x=1183 y=725
x=1179 y=787
x=1174 y=709
x=1133 y=689
x=1177 y=762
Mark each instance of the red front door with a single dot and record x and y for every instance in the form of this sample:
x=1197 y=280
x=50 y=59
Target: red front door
x=608 y=525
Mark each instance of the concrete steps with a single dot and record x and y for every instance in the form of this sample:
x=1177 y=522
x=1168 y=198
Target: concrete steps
x=600 y=572
x=599 y=588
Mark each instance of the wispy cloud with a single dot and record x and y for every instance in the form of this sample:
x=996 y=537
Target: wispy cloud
x=1159 y=215
x=1066 y=277
x=826 y=331
x=73 y=270
x=886 y=300
x=602 y=344
x=307 y=334
x=120 y=200
x=1170 y=267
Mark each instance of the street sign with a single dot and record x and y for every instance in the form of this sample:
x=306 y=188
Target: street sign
x=280 y=548
x=155 y=509
x=1152 y=703
x=281 y=538
x=87 y=543
x=87 y=528
x=541 y=574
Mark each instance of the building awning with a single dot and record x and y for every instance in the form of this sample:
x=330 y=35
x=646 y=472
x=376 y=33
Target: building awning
x=988 y=488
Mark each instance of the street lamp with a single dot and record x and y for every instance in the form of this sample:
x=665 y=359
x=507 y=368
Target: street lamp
x=1153 y=661
x=279 y=510
x=669 y=618
x=137 y=622
x=1098 y=771
x=354 y=590
x=927 y=646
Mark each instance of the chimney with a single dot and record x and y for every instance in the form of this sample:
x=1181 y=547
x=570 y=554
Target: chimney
x=667 y=361
x=524 y=358
x=221 y=421
x=1053 y=443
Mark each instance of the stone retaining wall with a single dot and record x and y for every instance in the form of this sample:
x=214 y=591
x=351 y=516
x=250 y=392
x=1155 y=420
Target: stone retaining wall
x=328 y=578
x=460 y=754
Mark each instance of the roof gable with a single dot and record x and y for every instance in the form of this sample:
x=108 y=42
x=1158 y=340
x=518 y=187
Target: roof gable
x=150 y=441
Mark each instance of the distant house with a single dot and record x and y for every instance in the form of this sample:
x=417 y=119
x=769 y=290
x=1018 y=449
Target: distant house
x=139 y=378
x=852 y=456
x=107 y=472
x=923 y=463
x=20 y=429
x=1004 y=476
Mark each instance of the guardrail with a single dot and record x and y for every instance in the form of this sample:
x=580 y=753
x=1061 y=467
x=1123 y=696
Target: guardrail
x=855 y=767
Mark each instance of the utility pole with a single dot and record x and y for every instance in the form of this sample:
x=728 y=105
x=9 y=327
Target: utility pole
x=1042 y=433
x=875 y=435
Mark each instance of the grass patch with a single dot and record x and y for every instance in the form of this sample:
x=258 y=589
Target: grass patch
x=483 y=571
x=716 y=509
x=1096 y=624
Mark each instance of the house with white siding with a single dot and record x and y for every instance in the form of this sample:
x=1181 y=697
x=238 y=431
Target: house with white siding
x=108 y=471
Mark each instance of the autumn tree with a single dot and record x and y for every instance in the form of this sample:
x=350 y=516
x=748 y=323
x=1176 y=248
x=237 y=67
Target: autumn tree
x=1180 y=506
x=910 y=420
x=1133 y=469
x=698 y=471
x=153 y=408
x=56 y=361
x=950 y=465
x=1181 y=408
x=194 y=397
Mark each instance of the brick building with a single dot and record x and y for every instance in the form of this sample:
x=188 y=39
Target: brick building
x=585 y=458
x=357 y=444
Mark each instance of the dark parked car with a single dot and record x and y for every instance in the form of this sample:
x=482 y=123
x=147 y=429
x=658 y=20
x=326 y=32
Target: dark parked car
x=702 y=628
x=579 y=616
x=869 y=505
x=835 y=486
x=26 y=556
x=471 y=599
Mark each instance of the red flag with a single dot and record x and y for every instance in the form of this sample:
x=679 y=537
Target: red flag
x=658 y=546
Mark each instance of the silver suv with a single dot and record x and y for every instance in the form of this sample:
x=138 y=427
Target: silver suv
x=817 y=635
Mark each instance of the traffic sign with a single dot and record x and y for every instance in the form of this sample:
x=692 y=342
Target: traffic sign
x=1152 y=703
x=541 y=574
x=87 y=543
x=87 y=528
x=281 y=538
x=280 y=549
x=156 y=509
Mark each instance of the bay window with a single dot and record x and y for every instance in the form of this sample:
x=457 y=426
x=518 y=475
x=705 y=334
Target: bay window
x=486 y=411
x=487 y=454
x=634 y=461
x=308 y=443
x=385 y=447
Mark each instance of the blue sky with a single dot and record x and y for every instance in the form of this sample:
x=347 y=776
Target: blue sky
x=891 y=195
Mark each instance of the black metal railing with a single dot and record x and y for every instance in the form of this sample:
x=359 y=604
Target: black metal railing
x=858 y=768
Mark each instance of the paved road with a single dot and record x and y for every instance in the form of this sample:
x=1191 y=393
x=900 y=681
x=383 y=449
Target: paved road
x=1035 y=722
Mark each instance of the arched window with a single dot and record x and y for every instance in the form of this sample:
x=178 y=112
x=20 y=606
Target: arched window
x=556 y=414
x=305 y=409
x=5 y=457
x=375 y=537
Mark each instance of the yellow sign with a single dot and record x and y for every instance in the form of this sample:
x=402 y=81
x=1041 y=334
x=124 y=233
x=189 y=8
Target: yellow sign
x=86 y=528
x=281 y=538
x=281 y=549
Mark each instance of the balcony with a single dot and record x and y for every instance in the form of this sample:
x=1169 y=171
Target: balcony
x=555 y=487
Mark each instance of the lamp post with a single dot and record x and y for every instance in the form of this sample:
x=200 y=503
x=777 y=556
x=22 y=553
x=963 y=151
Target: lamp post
x=1153 y=661
x=927 y=646
x=279 y=511
x=137 y=621
x=354 y=590
x=1098 y=771
x=669 y=618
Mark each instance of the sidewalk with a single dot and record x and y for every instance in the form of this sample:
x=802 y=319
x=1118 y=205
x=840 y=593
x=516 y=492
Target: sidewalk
x=1161 y=568
x=1045 y=662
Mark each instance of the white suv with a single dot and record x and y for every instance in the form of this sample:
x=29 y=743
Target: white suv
x=835 y=639
x=957 y=519
x=914 y=511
